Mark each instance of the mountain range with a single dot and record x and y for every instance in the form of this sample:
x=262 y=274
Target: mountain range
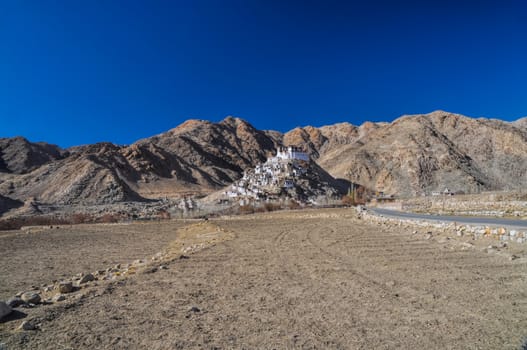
x=412 y=155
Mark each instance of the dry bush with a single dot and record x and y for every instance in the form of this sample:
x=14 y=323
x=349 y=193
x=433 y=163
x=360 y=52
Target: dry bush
x=293 y=205
x=109 y=218
x=81 y=218
x=10 y=224
x=350 y=201
x=246 y=209
x=163 y=215
x=260 y=209
x=271 y=206
x=41 y=220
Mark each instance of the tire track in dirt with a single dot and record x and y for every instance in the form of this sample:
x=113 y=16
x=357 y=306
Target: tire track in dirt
x=412 y=291
x=281 y=244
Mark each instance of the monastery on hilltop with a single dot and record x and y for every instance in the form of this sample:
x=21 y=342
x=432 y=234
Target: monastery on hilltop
x=291 y=153
x=277 y=174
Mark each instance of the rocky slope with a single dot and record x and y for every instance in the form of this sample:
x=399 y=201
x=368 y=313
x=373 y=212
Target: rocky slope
x=19 y=156
x=7 y=203
x=195 y=158
x=423 y=153
x=412 y=155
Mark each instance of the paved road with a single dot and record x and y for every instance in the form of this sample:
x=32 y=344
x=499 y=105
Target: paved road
x=476 y=221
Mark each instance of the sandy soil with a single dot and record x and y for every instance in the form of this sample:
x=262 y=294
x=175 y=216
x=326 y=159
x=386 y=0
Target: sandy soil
x=307 y=280
x=37 y=256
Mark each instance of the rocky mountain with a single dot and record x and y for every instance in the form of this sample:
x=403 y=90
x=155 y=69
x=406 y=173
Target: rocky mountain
x=412 y=155
x=521 y=123
x=197 y=157
x=423 y=153
x=19 y=156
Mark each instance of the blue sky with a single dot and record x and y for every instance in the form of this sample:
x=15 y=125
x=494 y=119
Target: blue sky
x=76 y=72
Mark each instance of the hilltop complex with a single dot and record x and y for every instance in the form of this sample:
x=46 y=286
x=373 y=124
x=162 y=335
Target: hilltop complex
x=288 y=174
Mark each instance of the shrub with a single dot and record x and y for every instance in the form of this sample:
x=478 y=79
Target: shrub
x=109 y=218
x=163 y=215
x=271 y=206
x=246 y=209
x=293 y=205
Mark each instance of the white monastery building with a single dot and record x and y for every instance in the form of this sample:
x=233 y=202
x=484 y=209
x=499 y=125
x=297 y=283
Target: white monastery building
x=280 y=171
x=291 y=152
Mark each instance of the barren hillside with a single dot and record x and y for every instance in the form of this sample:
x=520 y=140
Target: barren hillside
x=423 y=153
x=412 y=155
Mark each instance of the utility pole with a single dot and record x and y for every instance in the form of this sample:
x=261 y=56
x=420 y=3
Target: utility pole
x=351 y=191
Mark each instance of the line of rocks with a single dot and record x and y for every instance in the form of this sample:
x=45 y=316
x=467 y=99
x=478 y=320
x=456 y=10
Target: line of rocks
x=476 y=232
x=61 y=290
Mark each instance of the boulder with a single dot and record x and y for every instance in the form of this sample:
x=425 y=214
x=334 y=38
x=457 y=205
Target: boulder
x=58 y=297
x=27 y=326
x=86 y=278
x=65 y=287
x=14 y=302
x=31 y=298
x=4 y=309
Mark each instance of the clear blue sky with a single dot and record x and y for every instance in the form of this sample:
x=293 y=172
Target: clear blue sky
x=75 y=72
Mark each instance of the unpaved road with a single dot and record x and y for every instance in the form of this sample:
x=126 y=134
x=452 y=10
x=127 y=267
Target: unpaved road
x=306 y=280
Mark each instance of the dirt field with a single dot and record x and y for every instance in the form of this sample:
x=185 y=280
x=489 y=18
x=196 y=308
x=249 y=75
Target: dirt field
x=308 y=280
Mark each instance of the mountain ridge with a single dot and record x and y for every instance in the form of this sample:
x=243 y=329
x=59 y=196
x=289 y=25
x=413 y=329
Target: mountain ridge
x=413 y=155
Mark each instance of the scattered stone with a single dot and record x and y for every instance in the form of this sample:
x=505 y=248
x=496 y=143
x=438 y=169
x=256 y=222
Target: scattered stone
x=4 y=309
x=390 y=284
x=181 y=257
x=150 y=269
x=14 y=302
x=513 y=257
x=163 y=267
x=27 y=326
x=194 y=309
x=65 y=287
x=31 y=298
x=86 y=278
x=58 y=297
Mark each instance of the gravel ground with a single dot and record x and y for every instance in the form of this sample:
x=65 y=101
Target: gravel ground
x=307 y=280
x=39 y=255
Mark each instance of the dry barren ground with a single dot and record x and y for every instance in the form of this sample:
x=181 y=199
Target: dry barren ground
x=307 y=279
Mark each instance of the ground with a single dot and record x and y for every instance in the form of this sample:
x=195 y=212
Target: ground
x=308 y=279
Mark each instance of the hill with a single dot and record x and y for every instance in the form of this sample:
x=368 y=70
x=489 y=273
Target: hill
x=414 y=154
x=418 y=154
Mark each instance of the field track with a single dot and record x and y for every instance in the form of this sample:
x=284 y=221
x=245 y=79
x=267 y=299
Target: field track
x=306 y=280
